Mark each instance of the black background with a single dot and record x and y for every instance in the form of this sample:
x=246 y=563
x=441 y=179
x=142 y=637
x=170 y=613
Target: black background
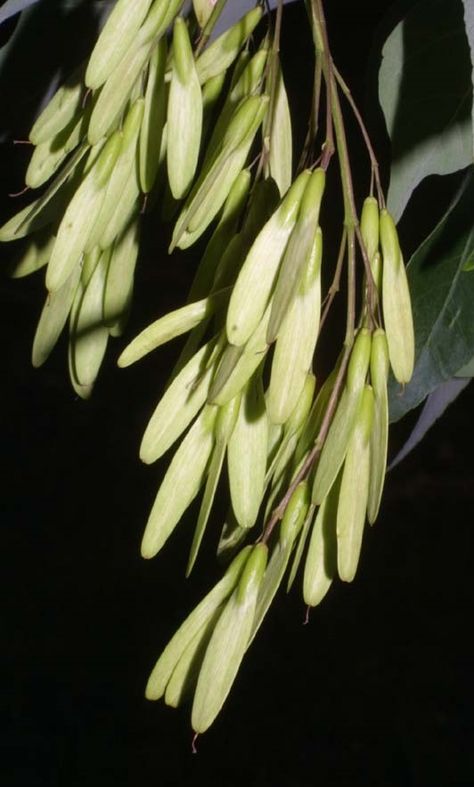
x=376 y=690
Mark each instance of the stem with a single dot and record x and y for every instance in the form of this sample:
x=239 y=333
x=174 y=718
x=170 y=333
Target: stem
x=322 y=52
x=334 y=126
x=372 y=294
x=314 y=116
x=334 y=288
x=313 y=455
x=321 y=41
x=273 y=79
x=329 y=147
x=210 y=25
x=351 y=287
x=351 y=221
x=351 y=236
x=373 y=159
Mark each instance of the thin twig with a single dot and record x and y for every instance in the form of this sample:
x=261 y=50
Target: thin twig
x=336 y=136
x=351 y=287
x=16 y=194
x=335 y=284
x=373 y=159
x=372 y=293
x=313 y=122
x=272 y=77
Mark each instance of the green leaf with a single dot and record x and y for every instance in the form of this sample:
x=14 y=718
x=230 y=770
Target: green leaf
x=436 y=404
x=426 y=94
x=469 y=263
x=442 y=294
x=469 y=26
x=467 y=370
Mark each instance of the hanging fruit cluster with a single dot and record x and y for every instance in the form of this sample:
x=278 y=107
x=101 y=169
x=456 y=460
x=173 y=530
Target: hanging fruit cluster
x=208 y=128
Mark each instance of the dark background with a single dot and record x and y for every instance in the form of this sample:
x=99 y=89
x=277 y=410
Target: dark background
x=376 y=690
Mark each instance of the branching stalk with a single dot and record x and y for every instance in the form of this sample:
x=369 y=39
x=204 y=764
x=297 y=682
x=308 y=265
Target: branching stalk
x=335 y=284
x=335 y=139
x=305 y=469
x=273 y=79
x=373 y=159
x=313 y=123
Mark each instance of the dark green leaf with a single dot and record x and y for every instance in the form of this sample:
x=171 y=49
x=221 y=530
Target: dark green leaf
x=442 y=293
x=467 y=370
x=469 y=25
x=436 y=404
x=425 y=91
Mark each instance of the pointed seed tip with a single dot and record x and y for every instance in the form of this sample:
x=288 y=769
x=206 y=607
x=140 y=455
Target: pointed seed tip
x=146 y=552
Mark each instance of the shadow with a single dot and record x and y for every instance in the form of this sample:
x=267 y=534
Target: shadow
x=457 y=226
x=50 y=42
x=48 y=46
x=446 y=91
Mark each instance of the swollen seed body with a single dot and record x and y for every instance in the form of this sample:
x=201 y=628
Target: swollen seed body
x=183 y=480
x=184 y=114
x=354 y=490
x=115 y=40
x=369 y=226
x=396 y=302
x=247 y=454
x=258 y=275
x=223 y=51
x=228 y=643
x=205 y=610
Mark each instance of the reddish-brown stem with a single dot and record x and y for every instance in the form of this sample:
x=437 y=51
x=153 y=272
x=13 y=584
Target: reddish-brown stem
x=313 y=455
x=16 y=194
x=335 y=284
x=273 y=79
x=328 y=147
x=372 y=295
x=313 y=123
x=375 y=176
